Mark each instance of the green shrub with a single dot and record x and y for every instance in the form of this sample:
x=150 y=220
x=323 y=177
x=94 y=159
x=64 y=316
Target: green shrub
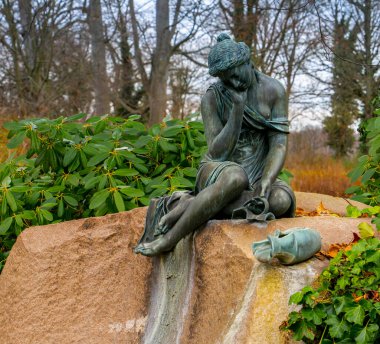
x=102 y=165
x=368 y=168
x=345 y=307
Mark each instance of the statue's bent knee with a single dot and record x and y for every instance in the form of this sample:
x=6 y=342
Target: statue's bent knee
x=279 y=201
x=235 y=178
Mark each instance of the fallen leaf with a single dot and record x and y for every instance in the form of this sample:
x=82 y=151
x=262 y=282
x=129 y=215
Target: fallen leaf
x=366 y=230
x=319 y=255
x=320 y=211
x=374 y=295
x=335 y=248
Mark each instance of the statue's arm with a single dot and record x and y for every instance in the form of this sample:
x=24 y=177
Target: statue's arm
x=221 y=139
x=277 y=145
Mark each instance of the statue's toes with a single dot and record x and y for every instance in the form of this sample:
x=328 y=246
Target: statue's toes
x=145 y=251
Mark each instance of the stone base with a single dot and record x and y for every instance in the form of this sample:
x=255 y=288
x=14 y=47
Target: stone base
x=80 y=282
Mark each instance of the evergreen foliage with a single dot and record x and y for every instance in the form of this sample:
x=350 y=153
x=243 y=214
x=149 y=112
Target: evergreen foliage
x=368 y=168
x=345 y=307
x=345 y=91
x=103 y=165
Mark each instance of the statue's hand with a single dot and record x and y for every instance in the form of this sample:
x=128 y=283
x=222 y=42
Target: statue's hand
x=238 y=97
x=265 y=187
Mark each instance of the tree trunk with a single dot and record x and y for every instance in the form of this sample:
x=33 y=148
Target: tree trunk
x=160 y=64
x=98 y=53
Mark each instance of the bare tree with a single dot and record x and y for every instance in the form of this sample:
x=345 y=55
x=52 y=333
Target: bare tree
x=278 y=33
x=175 y=24
x=98 y=53
x=367 y=18
x=31 y=35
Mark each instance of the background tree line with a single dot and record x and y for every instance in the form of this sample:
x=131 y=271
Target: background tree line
x=150 y=56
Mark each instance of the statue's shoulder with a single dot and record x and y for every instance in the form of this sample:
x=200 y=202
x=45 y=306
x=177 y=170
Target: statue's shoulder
x=210 y=94
x=209 y=99
x=270 y=85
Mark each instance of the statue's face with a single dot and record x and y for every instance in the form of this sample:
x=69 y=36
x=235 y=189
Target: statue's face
x=239 y=78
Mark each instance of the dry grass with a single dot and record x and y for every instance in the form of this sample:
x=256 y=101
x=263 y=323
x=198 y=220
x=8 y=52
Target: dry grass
x=313 y=165
x=326 y=176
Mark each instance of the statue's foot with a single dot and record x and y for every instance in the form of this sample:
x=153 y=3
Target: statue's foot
x=169 y=220
x=154 y=248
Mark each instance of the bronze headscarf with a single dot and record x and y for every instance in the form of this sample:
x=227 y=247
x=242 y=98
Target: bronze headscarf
x=227 y=53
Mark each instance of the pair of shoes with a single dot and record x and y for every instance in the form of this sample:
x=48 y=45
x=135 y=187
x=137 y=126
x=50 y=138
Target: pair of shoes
x=292 y=246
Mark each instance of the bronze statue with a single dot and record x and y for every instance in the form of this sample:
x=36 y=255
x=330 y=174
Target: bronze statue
x=246 y=125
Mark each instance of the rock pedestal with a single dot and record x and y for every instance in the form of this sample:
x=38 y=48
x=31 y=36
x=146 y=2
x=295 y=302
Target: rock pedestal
x=80 y=282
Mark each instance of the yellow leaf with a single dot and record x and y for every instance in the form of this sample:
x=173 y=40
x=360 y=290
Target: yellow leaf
x=366 y=230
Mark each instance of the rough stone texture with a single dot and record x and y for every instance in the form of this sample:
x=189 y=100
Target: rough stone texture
x=310 y=201
x=76 y=282
x=79 y=282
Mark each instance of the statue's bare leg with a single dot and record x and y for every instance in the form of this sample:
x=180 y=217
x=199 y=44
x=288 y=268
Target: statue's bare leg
x=229 y=185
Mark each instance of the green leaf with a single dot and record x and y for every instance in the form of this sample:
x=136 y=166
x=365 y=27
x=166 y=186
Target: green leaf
x=367 y=334
x=341 y=303
x=134 y=117
x=359 y=169
x=367 y=175
x=46 y=214
x=4 y=206
x=142 y=141
x=366 y=230
x=302 y=330
x=19 y=188
x=158 y=170
x=172 y=131
x=352 y=189
x=11 y=200
x=49 y=204
x=141 y=168
x=99 y=198
x=126 y=172
x=296 y=298
x=190 y=171
x=69 y=156
x=71 y=200
x=18 y=219
x=355 y=314
x=181 y=182
x=118 y=201
x=353 y=211
x=73 y=180
x=15 y=141
x=16 y=126
x=56 y=188
x=28 y=214
x=75 y=117
x=337 y=326
x=6 y=182
x=4 y=226
x=315 y=315
x=197 y=125
x=167 y=147
x=97 y=159
x=61 y=208
x=90 y=183
x=132 y=192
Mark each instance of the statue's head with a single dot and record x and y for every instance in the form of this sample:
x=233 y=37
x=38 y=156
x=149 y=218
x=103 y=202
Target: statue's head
x=230 y=61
